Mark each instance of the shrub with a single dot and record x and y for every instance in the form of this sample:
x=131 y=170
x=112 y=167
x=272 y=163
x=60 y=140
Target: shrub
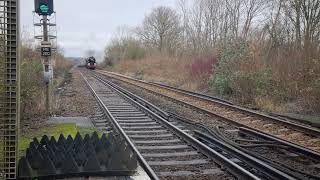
x=222 y=74
x=311 y=96
x=200 y=67
x=221 y=83
x=32 y=84
x=233 y=52
x=241 y=73
x=249 y=85
x=62 y=66
x=124 y=49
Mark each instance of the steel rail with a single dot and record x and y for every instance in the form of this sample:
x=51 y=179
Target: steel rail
x=200 y=95
x=307 y=152
x=254 y=162
x=142 y=161
x=214 y=155
x=253 y=132
x=212 y=113
x=218 y=136
x=302 y=128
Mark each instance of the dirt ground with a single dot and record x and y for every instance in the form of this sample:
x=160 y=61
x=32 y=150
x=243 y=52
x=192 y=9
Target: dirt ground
x=72 y=98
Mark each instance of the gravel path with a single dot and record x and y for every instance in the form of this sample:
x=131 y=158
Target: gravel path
x=73 y=98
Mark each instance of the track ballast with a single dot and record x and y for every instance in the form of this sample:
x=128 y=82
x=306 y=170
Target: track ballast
x=302 y=135
x=169 y=156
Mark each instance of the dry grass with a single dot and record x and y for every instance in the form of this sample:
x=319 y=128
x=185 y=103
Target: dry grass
x=292 y=80
x=167 y=70
x=191 y=73
x=32 y=84
x=274 y=80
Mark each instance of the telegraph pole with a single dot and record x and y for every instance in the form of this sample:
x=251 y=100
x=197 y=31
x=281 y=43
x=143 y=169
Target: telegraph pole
x=44 y=8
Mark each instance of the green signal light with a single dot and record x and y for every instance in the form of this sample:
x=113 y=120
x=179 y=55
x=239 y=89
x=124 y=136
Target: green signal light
x=44 y=8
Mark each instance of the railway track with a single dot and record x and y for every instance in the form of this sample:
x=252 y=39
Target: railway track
x=245 y=144
x=301 y=135
x=161 y=152
x=163 y=148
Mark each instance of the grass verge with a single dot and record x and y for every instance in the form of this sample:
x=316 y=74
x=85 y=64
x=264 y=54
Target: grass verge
x=52 y=130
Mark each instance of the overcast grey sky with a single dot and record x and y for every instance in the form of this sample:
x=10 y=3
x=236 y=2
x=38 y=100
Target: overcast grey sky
x=89 y=24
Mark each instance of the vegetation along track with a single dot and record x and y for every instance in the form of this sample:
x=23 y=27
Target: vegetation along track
x=303 y=135
x=164 y=149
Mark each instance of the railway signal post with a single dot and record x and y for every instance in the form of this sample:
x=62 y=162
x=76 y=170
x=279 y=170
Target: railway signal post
x=44 y=8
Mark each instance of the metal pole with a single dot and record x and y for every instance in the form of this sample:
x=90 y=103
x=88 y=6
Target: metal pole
x=48 y=98
x=46 y=62
x=45 y=28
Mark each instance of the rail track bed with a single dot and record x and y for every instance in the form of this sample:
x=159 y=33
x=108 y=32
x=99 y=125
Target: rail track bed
x=227 y=157
x=166 y=147
x=295 y=161
x=302 y=135
x=168 y=155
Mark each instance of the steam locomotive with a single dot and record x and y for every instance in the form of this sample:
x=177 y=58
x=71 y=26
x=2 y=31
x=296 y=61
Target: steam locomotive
x=91 y=63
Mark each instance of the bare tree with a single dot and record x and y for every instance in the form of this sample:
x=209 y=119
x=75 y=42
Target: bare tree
x=273 y=25
x=200 y=25
x=311 y=15
x=305 y=18
x=124 y=32
x=161 y=29
x=185 y=18
x=252 y=10
x=293 y=12
x=233 y=8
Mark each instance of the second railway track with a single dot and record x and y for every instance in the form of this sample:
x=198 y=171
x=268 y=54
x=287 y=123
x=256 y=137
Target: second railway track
x=163 y=148
x=302 y=135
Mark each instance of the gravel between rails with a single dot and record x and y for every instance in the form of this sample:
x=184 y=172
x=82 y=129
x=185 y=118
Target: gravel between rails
x=289 y=158
x=267 y=126
x=211 y=122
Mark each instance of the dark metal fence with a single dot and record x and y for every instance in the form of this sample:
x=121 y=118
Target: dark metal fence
x=9 y=87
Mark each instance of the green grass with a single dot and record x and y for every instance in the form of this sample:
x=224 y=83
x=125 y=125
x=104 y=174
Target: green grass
x=52 y=130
